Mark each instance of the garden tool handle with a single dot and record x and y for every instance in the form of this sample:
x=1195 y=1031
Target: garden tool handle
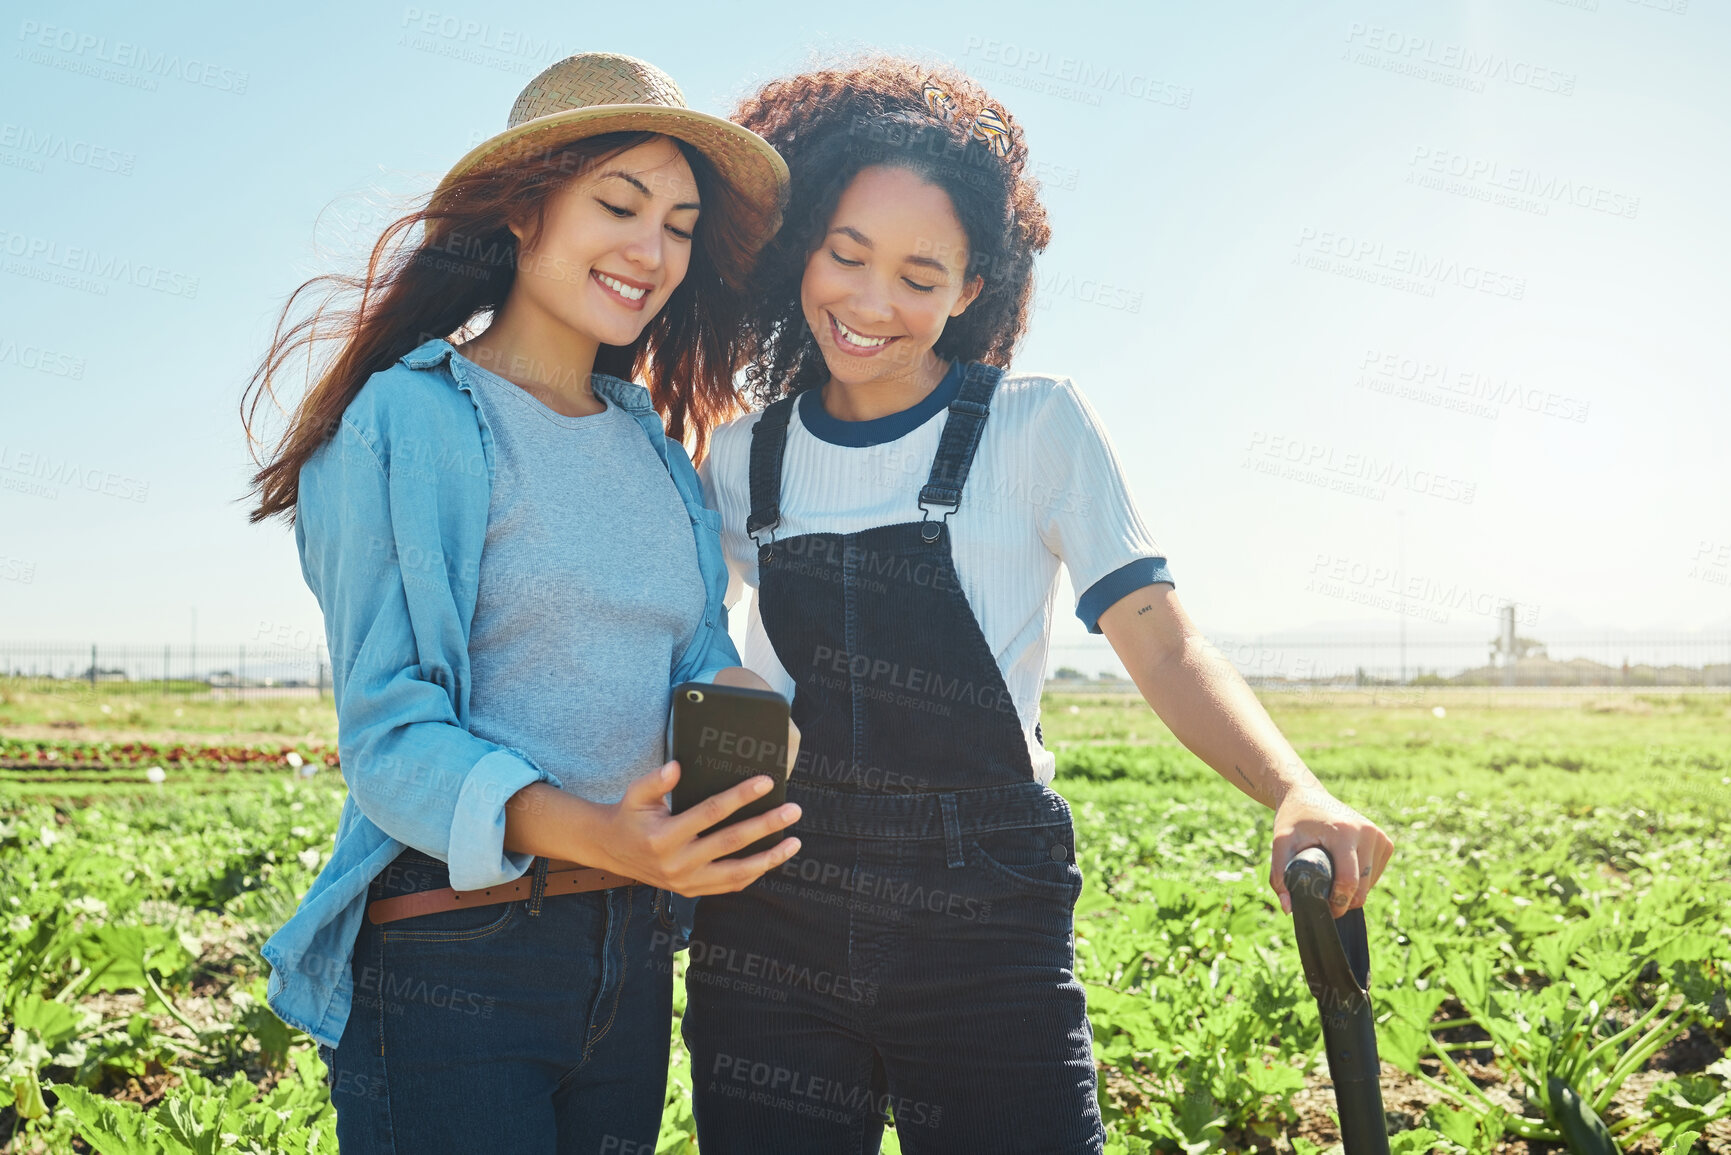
x=1336 y=957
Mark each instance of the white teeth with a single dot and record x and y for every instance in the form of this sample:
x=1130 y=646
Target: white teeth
x=860 y=339
x=620 y=287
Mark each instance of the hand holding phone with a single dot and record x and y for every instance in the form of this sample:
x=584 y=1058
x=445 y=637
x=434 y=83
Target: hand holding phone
x=722 y=736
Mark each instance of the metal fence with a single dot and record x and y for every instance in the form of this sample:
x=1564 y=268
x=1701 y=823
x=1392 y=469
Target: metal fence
x=1272 y=661
x=221 y=671
x=1606 y=659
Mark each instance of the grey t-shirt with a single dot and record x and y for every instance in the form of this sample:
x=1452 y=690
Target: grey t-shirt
x=589 y=593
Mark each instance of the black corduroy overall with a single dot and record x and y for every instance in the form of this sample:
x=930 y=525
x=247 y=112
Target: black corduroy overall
x=916 y=958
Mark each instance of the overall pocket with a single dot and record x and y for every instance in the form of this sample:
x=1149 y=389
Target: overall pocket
x=1039 y=859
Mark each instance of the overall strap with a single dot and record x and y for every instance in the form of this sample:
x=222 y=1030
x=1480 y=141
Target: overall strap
x=961 y=438
x=768 y=443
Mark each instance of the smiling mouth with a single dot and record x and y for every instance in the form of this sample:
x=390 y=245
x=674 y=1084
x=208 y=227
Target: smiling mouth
x=858 y=344
x=628 y=294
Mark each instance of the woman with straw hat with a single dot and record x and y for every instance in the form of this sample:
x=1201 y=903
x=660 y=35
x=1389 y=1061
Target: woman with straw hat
x=511 y=551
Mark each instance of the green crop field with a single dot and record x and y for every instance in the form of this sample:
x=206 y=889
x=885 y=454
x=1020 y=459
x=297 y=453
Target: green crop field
x=1549 y=947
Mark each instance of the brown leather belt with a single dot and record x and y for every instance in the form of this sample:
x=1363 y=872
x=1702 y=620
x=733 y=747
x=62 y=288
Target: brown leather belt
x=562 y=878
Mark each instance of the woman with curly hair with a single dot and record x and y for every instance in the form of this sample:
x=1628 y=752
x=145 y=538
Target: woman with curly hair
x=902 y=506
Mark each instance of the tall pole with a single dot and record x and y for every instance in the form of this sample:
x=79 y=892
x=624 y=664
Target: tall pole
x=1400 y=579
x=1509 y=644
x=192 y=648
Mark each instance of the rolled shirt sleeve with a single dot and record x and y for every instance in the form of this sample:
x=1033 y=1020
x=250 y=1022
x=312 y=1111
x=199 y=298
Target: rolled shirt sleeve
x=413 y=769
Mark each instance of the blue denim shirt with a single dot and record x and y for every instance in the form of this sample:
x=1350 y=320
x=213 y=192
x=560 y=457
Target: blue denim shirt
x=390 y=521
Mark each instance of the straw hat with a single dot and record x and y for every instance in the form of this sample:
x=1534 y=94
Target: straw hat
x=598 y=92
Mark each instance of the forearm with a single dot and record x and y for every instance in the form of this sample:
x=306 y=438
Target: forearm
x=1201 y=698
x=430 y=783
x=1210 y=708
x=542 y=819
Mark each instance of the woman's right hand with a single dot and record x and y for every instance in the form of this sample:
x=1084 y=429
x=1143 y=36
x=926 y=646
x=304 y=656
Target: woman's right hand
x=643 y=839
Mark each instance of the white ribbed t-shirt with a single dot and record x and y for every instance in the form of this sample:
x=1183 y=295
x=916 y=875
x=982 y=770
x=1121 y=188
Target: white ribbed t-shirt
x=1045 y=488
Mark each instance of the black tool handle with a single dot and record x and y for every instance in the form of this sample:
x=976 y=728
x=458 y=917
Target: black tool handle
x=1336 y=957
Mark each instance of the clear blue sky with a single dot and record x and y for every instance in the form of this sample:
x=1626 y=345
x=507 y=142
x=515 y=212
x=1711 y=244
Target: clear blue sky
x=1322 y=268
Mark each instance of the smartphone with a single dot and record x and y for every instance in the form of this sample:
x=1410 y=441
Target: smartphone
x=722 y=735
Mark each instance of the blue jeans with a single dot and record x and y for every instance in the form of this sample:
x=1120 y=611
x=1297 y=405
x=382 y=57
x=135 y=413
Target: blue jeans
x=529 y=1027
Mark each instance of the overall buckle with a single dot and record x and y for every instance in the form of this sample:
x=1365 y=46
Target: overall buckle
x=770 y=529
x=929 y=529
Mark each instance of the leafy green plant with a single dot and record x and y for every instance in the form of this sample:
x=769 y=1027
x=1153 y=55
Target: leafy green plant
x=129 y=931
x=202 y=1117
x=1570 y=1059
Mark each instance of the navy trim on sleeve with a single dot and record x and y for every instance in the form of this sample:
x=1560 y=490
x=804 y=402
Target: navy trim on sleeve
x=879 y=430
x=1124 y=580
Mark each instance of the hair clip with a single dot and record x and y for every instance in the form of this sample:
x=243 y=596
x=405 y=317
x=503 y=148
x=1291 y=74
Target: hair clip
x=989 y=127
x=943 y=106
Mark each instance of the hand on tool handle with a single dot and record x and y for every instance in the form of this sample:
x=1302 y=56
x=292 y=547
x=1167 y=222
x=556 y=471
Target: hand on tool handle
x=1311 y=816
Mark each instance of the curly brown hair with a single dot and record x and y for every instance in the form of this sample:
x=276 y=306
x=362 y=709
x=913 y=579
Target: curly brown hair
x=831 y=123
